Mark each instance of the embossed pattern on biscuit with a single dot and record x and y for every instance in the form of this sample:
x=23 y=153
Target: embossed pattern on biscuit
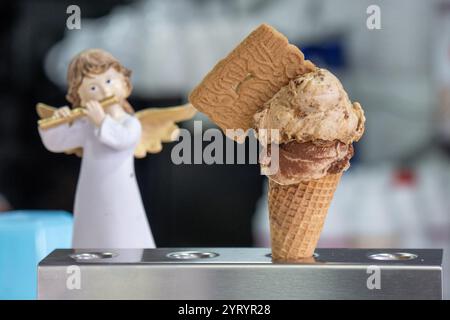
x=239 y=85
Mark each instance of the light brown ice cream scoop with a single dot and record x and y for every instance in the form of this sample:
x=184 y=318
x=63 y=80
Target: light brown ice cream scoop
x=313 y=106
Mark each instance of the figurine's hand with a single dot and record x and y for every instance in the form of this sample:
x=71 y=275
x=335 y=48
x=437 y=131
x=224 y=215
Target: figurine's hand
x=95 y=112
x=62 y=112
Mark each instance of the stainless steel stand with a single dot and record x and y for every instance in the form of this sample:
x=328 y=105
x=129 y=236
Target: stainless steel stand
x=240 y=273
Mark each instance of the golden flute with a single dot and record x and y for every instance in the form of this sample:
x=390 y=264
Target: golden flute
x=75 y=113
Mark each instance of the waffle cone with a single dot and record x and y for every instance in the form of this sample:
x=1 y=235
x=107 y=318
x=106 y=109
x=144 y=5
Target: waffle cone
x=297 y=214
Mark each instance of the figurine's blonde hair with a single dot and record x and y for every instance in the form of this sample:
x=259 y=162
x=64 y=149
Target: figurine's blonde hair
x=89 y=62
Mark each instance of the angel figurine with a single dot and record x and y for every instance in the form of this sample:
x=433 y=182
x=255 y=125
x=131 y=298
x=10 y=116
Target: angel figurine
x=103 y=128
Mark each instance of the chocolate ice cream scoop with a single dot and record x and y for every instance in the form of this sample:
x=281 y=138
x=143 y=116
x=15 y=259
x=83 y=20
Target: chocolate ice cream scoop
x=313 y=106
x=308 y=160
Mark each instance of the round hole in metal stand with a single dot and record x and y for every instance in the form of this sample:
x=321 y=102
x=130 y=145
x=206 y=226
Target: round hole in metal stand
x=93 y=255
x=191 y=255
x=393 y=256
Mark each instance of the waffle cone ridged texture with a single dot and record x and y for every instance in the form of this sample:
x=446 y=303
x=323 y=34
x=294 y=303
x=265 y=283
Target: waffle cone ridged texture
x=297 y=214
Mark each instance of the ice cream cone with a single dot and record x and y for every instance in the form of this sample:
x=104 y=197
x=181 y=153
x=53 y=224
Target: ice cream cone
x=266 y=84
x=297 y=214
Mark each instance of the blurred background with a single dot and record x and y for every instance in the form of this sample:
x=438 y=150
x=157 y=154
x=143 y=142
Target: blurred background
x=397 y=193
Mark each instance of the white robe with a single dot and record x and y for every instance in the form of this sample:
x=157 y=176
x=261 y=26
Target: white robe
x=108 y=209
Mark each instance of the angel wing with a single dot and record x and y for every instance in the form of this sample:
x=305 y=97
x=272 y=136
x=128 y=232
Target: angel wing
x=158 y=126
x=46 y=111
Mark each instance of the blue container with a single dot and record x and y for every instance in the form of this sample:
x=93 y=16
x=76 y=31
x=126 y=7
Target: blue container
x=26 y=237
